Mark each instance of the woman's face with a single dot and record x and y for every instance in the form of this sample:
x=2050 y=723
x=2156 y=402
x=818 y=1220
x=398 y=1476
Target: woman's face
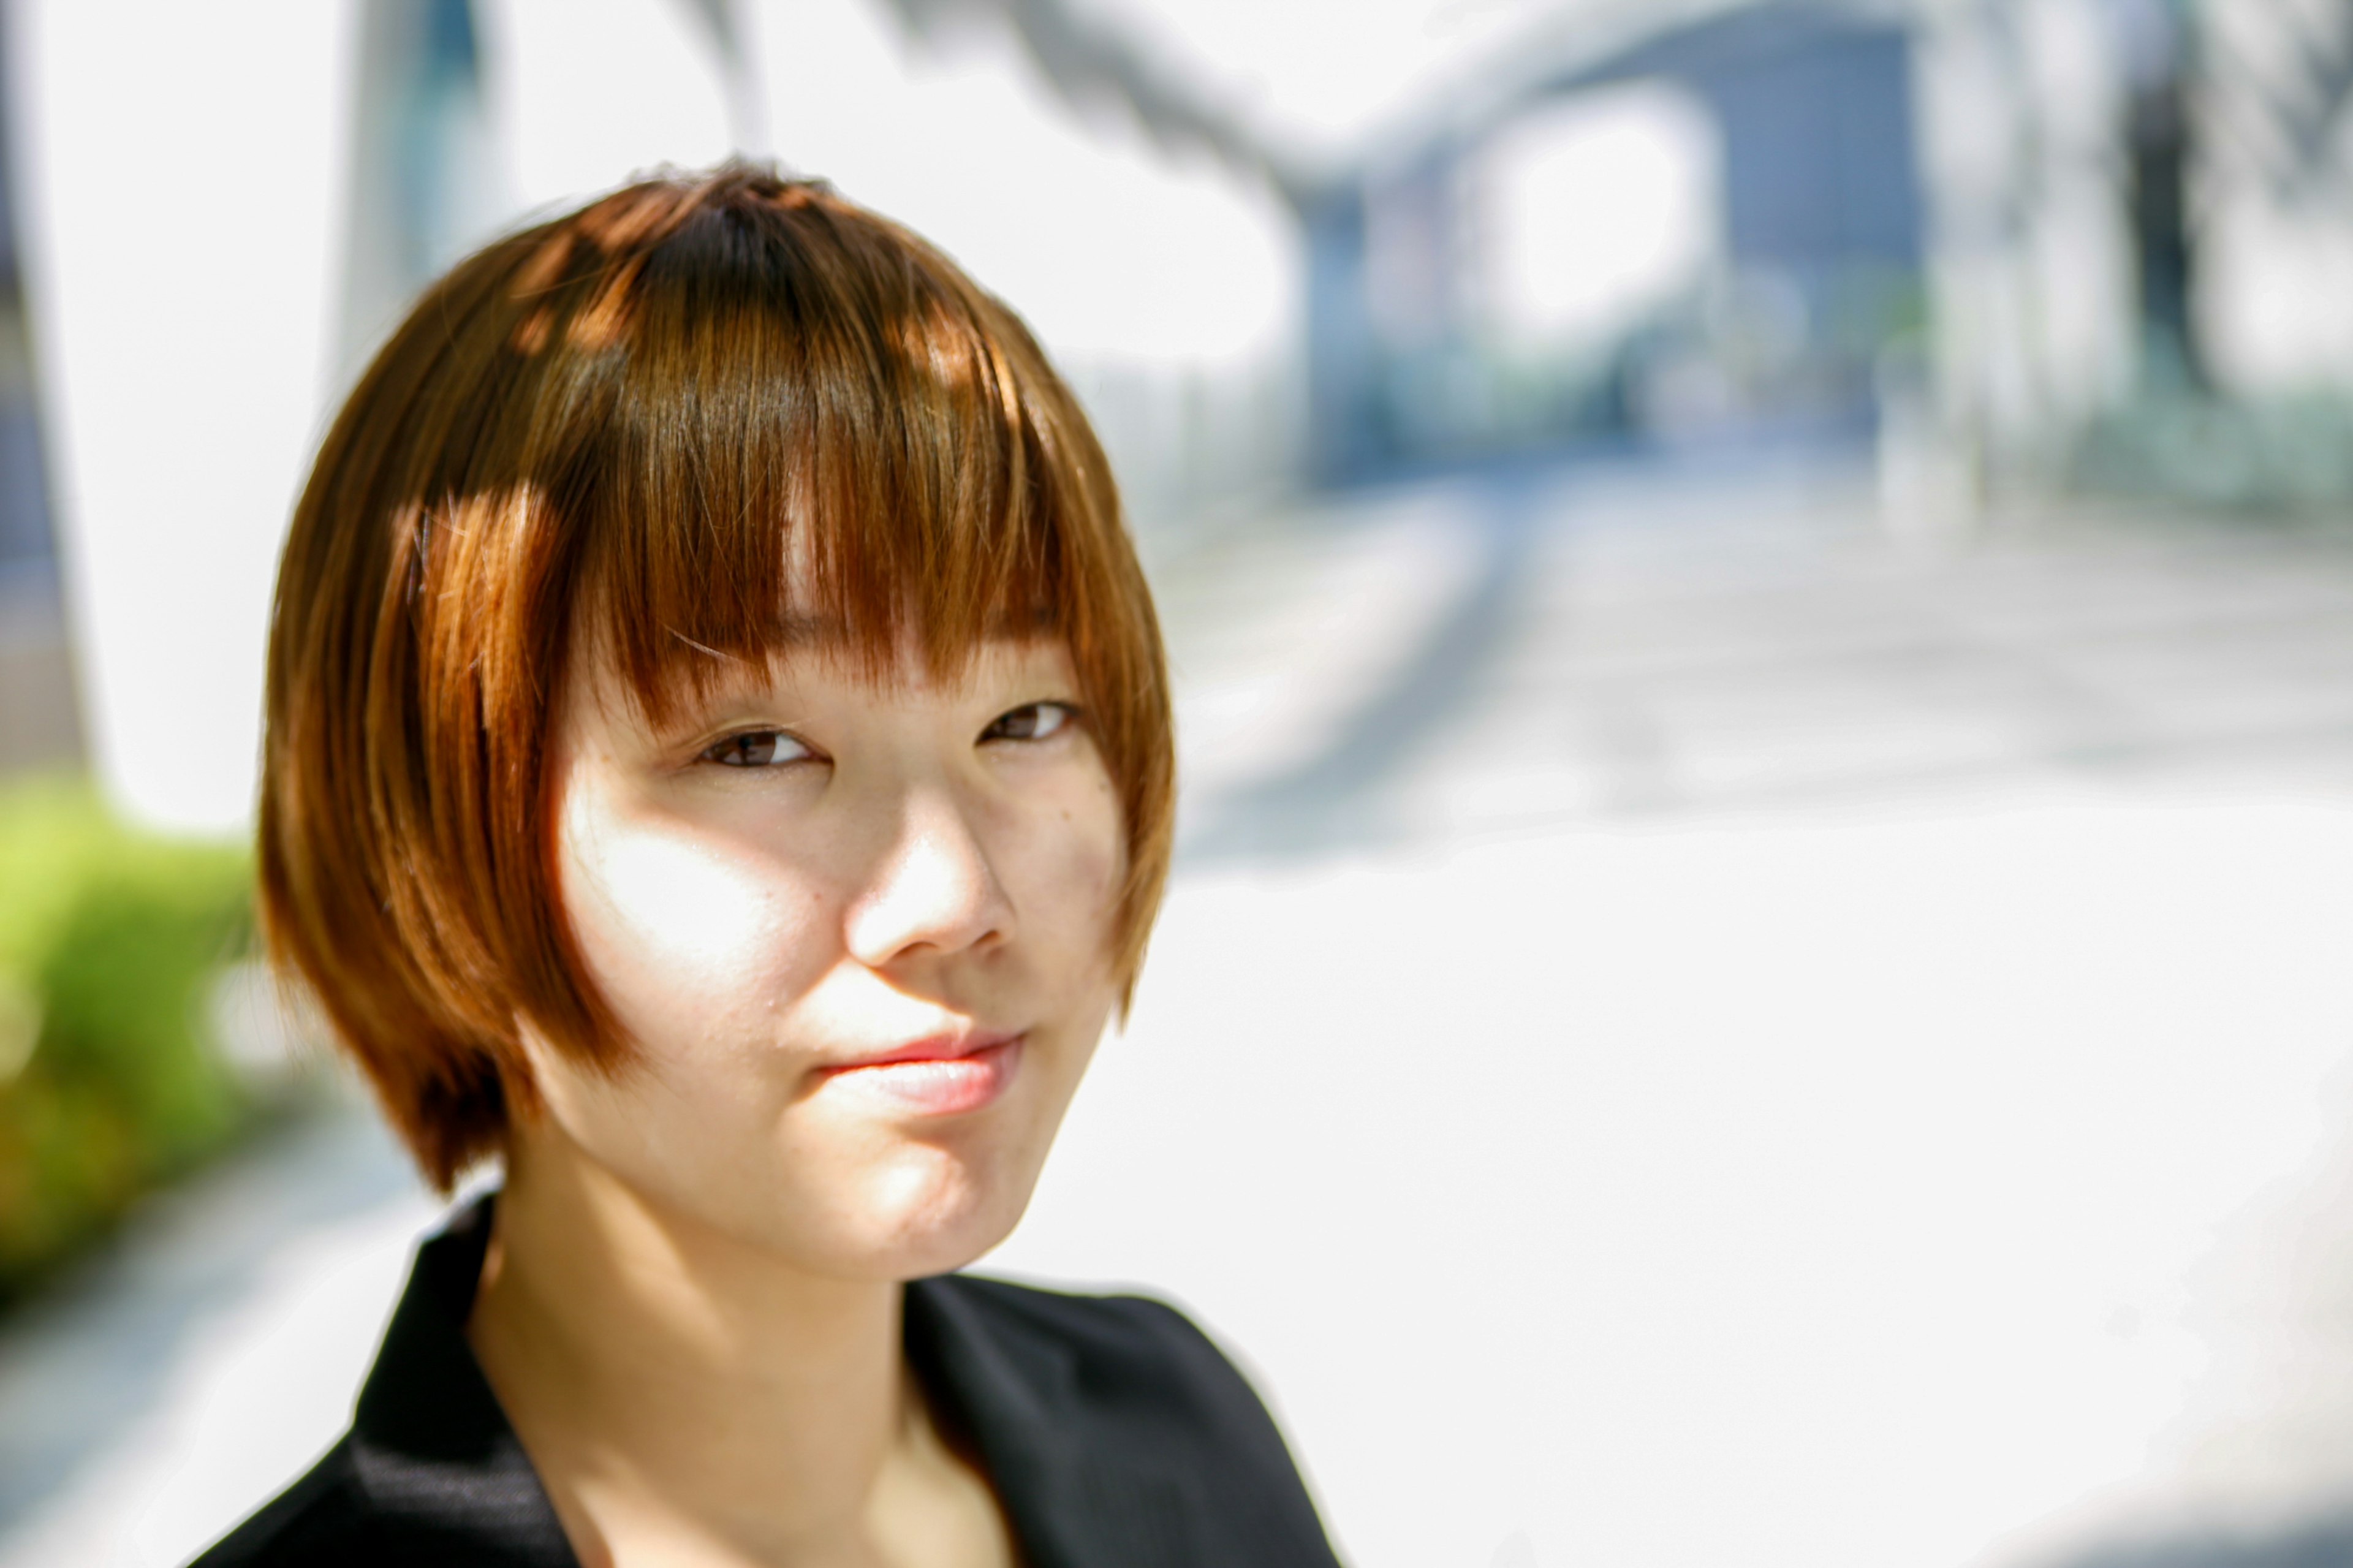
x=859 y=937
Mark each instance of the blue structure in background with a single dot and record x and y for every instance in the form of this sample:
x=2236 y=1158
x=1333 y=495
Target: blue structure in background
x=1821 y=173
x=26 y=540
x=423 y=179
x=442 y=90
x=1821 y=205
x=40 y=724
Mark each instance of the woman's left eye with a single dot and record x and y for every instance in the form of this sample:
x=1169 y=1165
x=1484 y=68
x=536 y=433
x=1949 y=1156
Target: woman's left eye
x=1031 y=722
x=756 y=749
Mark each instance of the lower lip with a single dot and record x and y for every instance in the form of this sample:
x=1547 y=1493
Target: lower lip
x=938 y=1086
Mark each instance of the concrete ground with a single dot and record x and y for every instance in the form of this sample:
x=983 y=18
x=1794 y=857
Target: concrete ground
x=1692 y=1026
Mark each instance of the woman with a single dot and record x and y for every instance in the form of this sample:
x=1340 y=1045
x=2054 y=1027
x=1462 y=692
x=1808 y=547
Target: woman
x=719 y=767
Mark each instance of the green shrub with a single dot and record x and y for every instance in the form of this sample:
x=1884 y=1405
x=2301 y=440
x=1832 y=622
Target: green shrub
x=110 y=1080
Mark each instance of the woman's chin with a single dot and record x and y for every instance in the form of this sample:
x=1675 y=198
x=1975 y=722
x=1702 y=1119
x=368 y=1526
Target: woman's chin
x=930 y=1216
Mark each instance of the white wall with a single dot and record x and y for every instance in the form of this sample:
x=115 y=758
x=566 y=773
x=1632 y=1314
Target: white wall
x=179 y=167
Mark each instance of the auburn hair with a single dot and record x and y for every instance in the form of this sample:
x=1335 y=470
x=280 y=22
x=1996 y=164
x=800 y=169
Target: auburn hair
x=613 y=436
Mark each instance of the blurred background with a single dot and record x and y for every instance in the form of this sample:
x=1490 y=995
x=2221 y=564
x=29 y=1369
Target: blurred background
x=1761 y=965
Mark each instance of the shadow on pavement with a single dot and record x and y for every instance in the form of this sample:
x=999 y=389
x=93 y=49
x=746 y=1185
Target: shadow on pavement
x=1338 y=797
x=2325 y=1542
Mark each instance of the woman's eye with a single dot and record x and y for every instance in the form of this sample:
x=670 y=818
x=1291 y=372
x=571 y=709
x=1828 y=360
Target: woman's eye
x=756 y=749
x=1031 y=721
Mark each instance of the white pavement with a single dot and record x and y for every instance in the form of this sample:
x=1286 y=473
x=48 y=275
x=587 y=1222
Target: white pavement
x=1686 y=1033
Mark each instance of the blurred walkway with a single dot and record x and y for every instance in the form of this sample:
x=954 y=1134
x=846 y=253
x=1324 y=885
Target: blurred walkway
x=200 y=1362
x=1773 y=1032
x=1614 y=648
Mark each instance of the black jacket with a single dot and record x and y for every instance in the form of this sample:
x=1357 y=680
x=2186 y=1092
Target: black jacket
x=1115 y=1436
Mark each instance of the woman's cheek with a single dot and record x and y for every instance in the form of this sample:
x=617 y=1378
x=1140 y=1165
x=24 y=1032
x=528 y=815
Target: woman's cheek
x=1081 y=853
x=683 y=933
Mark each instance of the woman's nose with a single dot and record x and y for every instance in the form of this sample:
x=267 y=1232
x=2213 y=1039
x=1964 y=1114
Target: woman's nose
x=933 y=891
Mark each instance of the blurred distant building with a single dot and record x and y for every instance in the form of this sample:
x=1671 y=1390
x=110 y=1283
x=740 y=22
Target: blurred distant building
x=1649 y=220
x=1710 y=227
x=2143 y=212
x=423 y=183
x=2040 y=241
x=39 y=725
x=428 y=175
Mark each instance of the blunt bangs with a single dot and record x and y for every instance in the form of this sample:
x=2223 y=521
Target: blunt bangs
x=700 y=421
x=790 y=447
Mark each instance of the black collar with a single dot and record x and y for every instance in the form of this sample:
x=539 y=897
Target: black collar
x=430 y=1445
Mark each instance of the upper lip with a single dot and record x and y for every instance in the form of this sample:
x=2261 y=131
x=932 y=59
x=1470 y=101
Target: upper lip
x=946 y=1046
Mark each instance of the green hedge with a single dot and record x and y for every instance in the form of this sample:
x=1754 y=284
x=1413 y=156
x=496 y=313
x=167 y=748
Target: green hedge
x=110 y=1080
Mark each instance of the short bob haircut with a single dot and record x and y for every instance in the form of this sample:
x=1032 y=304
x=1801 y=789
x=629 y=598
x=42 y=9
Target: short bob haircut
x=610 y=437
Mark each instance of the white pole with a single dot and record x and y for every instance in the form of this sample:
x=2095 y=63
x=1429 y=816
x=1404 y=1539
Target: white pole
x=181 y=171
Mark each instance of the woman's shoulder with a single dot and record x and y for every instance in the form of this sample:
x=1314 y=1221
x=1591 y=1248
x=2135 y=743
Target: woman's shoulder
x=1123 y=1407
x=365 y=1506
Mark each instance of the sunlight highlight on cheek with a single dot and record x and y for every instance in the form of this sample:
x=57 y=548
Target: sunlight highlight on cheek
x=669 y=919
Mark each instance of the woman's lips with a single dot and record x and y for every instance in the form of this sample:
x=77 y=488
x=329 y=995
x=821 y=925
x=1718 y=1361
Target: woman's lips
x=935 y=1080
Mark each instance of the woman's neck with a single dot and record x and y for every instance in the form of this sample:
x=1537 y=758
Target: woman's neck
x=688 y=1399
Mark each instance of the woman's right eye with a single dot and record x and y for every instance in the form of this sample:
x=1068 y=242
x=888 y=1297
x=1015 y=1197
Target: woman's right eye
x=756 y=749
